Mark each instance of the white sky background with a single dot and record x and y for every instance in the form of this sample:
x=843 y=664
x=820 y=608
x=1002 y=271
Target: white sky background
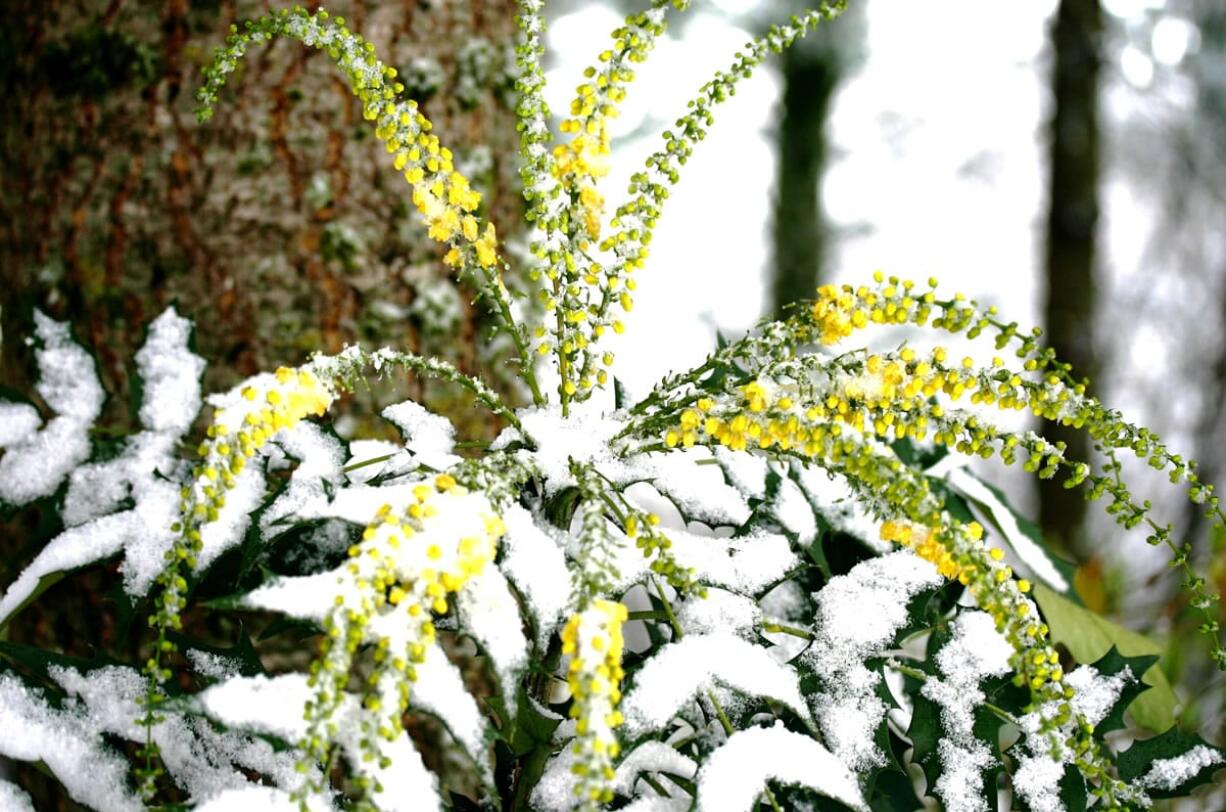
x=937 y=169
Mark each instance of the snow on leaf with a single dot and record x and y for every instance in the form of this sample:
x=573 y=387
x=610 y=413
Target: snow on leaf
x=36 y=464
x=13 y=798
x=200 y=758
x=320 y=458
x=857 y=615
x=489 y=612
x=430 y=437
x=685 y=669
x=534 y=562
x=306 y=596
x=30 y=730
x=974 y=651
x=1168 y=774
x=733 y=777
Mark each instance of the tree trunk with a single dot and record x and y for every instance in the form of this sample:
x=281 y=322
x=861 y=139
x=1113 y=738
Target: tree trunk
x=810 y=75
x=1071 y=223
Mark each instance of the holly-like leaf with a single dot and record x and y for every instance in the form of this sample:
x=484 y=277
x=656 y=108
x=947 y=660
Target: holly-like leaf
x=1113 y=663
x=1172 y=764
x=1089 y=637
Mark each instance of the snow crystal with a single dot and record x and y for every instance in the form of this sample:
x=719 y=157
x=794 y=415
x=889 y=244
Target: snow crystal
x=733 y=777
x=832 y=497
x=719 y=611
x=1030 y=553
x=857 y=616
x=1096 y=694
x=535 y=564
x=213 y=666
x=91 y=773
x=429 y=436
x=68 y=383
x=1037 y=781
x=14 y=799
x=1167 y=774
x=18 y=423
x=682 y=670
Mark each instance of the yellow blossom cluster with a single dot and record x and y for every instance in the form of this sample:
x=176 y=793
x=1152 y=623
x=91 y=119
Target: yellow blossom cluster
x=412 y=558
x=592 y=639
x=923 y=542
x=262 y=407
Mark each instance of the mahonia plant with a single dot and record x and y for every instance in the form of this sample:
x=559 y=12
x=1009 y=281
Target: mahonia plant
x=770 y=583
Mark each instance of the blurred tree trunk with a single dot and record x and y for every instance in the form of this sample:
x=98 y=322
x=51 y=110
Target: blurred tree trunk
x=1071 y=239
x=810 y=73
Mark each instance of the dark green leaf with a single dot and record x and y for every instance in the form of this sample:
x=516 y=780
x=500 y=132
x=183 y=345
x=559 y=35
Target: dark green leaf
x=1138 y=760
x=1113 y=663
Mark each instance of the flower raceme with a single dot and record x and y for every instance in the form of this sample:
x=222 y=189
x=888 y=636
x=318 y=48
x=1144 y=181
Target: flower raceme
x=413 y=557
x=592 y=639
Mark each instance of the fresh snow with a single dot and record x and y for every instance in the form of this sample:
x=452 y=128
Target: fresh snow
x=857 y=616
x=13 y=798
x=534 y=562
x=35 y=463
x=733 y=776
x=1167 y=774
x=974 y=651
x=430 y=437
x=684 y=670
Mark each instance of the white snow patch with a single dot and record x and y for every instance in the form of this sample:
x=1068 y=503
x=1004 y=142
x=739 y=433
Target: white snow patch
x=13 y=798
x=429 y=436
x=534 y=562
x=18 y=423
x=68 y=383
x=733 y=776
x=1037 y=781
x=856 y=618
x=682 y=670
x=489 y=612
x=1096 y=693
x=1166 y=774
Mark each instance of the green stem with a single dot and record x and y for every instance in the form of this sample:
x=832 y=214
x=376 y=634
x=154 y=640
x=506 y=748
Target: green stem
x=363 y=463
x=915 y=673
x=795 y=631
